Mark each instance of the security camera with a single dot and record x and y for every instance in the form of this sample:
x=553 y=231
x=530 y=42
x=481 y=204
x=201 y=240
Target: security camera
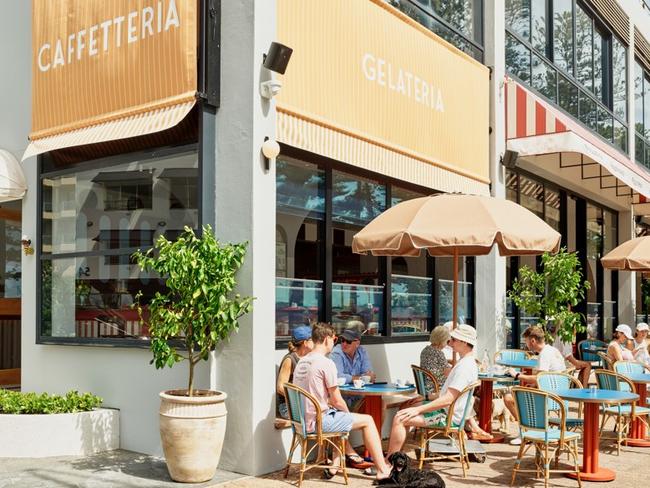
x=270 y=88
x=277 y=58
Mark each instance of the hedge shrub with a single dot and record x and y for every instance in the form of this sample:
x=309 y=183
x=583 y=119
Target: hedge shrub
x=15 y=402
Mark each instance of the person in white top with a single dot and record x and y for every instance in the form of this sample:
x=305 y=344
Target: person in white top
x=566 y=349
x=550 y=359
x=617 y=349
x=640 y=343
x=463 y=374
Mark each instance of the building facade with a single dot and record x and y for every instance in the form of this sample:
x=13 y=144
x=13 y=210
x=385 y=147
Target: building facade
x=541 y=102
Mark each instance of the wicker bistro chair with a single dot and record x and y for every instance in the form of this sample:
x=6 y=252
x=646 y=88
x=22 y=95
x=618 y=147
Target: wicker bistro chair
x=509 y=354
x=297 y=399
x=586 y=354
x=551 y=382
x=626 y=367
x=533 y=409
x=423 y=378
x=451 y=431
x=625 y=413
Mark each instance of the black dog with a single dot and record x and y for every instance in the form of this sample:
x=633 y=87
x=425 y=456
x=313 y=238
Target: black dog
x=404 y=477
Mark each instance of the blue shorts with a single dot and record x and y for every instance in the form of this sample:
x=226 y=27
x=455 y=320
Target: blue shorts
x=337 y=421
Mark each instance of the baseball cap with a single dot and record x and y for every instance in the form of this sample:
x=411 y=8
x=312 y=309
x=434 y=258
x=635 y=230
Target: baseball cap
x=465 y=333
x=642 y=326
x=301 y=333
x=625 y=329
x=350 y=335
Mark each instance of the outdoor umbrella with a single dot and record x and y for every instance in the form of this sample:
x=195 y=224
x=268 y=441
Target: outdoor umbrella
x=632 y=255
x=456 y=225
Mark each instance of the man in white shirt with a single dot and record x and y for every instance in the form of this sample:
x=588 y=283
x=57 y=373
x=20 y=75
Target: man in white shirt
x=434 y=413
x=566 y=349
x=550 y=359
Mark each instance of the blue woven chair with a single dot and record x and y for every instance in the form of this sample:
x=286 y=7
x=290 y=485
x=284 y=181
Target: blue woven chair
x=425 y=383
x=451 y=431
x=630 y=367
x=297 y=399
x=627 y=367
x=587 y=354
x=551 y=382
x=511 y=354
x=533 y=411
x=625 y=413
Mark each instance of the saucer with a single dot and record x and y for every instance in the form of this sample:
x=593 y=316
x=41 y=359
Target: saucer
x=355 y=388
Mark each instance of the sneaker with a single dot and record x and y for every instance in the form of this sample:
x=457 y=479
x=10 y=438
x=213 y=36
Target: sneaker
x=516 y=441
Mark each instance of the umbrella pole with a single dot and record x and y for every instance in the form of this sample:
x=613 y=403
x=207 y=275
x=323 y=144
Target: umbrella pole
x=455 y=300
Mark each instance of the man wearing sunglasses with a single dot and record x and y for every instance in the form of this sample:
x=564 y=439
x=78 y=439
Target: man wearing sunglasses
x=350 y=357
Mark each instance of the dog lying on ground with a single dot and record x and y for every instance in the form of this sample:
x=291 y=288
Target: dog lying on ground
x=403 y=476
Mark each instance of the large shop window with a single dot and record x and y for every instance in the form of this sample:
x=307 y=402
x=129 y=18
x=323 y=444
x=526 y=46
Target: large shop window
x=459 y=22
x=642 y=115
x=92 y=220
x=397 y=297
x=573 y=60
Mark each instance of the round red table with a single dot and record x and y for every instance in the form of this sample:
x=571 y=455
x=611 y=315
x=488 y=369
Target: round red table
x=592 y=399
x=638 y=430
x=485 y=410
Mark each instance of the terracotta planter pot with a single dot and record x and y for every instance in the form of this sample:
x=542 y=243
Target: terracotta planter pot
x=192 y=430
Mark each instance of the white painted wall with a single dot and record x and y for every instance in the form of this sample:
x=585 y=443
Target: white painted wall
x=245 y=210
x=123 y=377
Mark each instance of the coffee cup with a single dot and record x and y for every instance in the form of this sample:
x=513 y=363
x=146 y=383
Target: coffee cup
x=358 y=383
x=366 y=379
x=340 y=381
x=399 y=383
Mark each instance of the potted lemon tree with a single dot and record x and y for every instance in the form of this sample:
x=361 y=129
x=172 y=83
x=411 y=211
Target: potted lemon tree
x=186 y=322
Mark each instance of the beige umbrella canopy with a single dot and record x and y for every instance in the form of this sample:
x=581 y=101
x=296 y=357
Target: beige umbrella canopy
x=632 y=255
x=456 y=225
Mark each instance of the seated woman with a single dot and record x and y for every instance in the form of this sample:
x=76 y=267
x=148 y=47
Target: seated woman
x=432 y=358
x=300 y=345
x=617 y=349
x=640 y=343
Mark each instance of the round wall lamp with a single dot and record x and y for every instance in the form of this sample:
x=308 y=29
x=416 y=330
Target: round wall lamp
x=270 y=150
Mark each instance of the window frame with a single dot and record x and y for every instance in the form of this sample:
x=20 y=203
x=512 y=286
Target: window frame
x=98 y=164
x=478 y=43
x=598 y=24
x=385 y=265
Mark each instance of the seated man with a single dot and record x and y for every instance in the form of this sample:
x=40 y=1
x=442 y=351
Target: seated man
x=550 y=359
x=463 y=374
x=351 y=358
x=317 y=374
x=566 y=349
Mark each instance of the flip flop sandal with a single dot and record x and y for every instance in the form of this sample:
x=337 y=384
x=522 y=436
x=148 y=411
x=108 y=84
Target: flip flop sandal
x=370 y=471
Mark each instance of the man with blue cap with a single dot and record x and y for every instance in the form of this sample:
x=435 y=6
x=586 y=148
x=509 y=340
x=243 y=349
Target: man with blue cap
x=300 y=345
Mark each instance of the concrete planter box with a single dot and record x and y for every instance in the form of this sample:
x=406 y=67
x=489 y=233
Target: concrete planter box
x=64 y=434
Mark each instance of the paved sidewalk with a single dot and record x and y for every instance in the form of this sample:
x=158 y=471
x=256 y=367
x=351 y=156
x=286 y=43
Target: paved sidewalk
x=113 y=469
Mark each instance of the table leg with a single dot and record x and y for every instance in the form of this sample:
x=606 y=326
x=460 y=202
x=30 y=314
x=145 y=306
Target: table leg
x=485 y=412
x=637 y=430
x=372 y=406
x=590 y=470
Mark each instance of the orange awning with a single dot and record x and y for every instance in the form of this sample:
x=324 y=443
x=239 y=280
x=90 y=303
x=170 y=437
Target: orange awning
x=110 y=70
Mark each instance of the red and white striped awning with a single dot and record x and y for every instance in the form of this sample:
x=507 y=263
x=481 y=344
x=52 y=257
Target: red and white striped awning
x=534 y=127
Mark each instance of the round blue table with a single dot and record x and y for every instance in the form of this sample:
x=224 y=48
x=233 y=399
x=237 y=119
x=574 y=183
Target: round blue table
x=591 y=436
x=637 y=429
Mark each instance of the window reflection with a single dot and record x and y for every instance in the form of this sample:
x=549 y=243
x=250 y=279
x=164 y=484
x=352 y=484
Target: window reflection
x=300 y=209
x=563 y=34
x=105 y=214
